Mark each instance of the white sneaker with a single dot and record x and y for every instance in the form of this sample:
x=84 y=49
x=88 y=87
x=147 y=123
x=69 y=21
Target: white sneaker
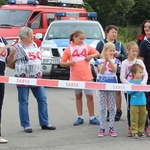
x=2 y=140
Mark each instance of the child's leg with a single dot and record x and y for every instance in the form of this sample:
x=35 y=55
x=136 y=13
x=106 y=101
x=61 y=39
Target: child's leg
x=102 y=96
x=111 y=105
x=142 y=119
x=134 y=117
x=79 y=103
x=78 y=94
x=90 y=104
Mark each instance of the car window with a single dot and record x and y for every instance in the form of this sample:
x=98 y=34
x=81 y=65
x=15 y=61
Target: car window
x=63 y=30
x=14 y=17
x=36 y=24
x=50 y=18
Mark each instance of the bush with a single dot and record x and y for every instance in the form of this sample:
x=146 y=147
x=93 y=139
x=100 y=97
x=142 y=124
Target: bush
x=129 y=33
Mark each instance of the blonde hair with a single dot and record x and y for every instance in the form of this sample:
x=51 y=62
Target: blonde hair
x=107 y=46
x=130 y=45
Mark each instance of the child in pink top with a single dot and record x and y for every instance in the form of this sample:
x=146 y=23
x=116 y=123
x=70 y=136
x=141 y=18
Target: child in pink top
x=77 y=56
x=126 y=75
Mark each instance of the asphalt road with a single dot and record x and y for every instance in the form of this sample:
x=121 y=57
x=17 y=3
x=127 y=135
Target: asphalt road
x=62 y=114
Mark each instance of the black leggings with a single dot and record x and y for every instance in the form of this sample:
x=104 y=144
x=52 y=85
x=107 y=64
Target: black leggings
x=2 y=91
x=128 y=111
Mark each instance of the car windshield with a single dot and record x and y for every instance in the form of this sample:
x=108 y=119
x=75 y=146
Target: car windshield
x=13 y=17
x=63 y=30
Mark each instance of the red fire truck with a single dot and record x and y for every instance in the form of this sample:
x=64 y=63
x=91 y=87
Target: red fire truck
x=37 y=15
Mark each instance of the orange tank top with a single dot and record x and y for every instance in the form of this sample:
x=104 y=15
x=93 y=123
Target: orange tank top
x=81 y=70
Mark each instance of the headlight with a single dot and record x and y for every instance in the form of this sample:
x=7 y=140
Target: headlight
x=46 y=52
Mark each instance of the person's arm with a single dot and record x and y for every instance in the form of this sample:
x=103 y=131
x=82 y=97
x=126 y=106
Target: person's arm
x=142 y=55
x=11 y=59
x=2 y=49
x=95 y=55
x=65 y=59
x=102 y=67
x=112 y=65
x=92 y=53
x=143 y=52
x=145 y=77
x=66 y=64
x=123 y=73
x=141 y=58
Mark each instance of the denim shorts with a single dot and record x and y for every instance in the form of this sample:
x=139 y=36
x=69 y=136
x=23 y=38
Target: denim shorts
x=86 y=91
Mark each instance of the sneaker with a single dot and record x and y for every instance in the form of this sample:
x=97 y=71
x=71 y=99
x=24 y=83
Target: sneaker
x=118 y=114
x=129 y=132
x=135 y=136
x=107 y=117
x=94 y=121
x=101 y=133
x=78 y=122
x=147 y=131
x=2 y=140
x=28 y=129
x=141 y=134
x=112 y=133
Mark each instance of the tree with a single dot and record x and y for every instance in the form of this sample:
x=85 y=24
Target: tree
x=3 y=2
x=139 y=12
x=111 y=11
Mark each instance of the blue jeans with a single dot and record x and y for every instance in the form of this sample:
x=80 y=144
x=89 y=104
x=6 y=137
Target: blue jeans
x=40 y=95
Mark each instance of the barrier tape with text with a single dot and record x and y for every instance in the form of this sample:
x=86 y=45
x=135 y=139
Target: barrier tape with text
x=74 y=84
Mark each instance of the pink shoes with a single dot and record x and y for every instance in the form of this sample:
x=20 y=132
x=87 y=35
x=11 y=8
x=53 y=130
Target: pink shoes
x=111 y=133
x=101 y=133
x=147 y=131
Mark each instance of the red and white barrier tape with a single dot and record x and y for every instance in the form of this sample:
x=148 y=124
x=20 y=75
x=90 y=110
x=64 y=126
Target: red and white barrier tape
x=74 y=84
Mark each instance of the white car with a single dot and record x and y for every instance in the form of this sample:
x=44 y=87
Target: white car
x=56 y=40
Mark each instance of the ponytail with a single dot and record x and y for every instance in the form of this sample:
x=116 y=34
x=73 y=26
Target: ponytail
x=75 y=34
x=71 y=36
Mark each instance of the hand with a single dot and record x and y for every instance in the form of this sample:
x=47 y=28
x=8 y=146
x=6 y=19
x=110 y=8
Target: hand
x=7 y=46
x=13 y=51
x=88 y=58
x=116 y=54
x=70 y=63
x=107 y=57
